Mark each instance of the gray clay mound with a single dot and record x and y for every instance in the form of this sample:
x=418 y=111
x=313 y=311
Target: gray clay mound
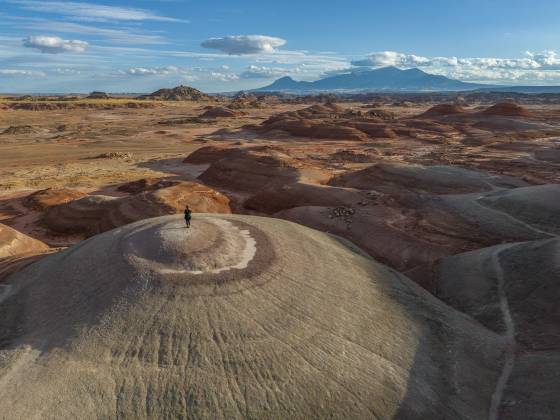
x=548 y=155
x=438 y=179
x=517 y=214
x=538 y=206
x=302 y=194
x=514 y=290
x=238 y=317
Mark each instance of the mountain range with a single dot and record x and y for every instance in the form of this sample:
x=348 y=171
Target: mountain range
x=382 y=79
x=393 y=79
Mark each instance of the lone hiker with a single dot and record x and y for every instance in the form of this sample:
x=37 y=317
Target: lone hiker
x=188 y=214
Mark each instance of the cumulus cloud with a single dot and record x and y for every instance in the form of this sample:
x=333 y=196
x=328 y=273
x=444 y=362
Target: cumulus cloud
x=547 y=59
x=244 y=44
x=391 y=58
x=532 y=68
x=54 y=44
x=263 y=72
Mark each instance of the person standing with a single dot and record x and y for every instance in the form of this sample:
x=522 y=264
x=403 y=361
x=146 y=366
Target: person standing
x=188 y=216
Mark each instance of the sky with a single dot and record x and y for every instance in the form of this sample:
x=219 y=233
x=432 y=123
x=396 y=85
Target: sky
x=59 y=46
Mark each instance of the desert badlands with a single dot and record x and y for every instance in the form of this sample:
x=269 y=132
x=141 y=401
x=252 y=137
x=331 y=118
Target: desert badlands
x=380 y=256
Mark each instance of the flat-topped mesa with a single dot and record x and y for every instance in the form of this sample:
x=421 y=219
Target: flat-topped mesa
x=195 y=320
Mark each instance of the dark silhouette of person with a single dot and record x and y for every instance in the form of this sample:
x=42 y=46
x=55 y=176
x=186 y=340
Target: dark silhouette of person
x=188 y=216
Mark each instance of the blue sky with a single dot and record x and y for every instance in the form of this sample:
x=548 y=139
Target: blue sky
x=139 y=46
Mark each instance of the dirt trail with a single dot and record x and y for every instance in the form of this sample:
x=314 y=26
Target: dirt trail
x=5 y=292
x=509 y=356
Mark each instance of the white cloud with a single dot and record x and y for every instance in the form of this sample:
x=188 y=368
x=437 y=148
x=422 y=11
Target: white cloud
x=122 y=35
x=66 y=71
x=54 y=44
x=263 y=72
x=543 y=67
x=547 y=59
x=391 y=58
x=91 y=12
x=221 y=76
x=244 y=44
x=187 y=74
x=21 y=73
x=157 y=71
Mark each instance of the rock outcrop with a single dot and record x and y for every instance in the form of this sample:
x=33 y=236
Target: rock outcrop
x=179 y=93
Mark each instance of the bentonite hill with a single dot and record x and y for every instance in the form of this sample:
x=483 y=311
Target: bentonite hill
x=360 y=256
x=307 y=210
x=240 y=317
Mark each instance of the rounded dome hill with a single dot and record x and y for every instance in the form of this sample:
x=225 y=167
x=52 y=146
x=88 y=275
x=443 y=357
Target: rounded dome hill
x=13 y=243
x=442 y=110
x=507 y=109
x=238 y=317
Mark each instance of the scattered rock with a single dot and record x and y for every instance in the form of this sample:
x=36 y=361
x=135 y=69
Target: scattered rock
x=20 y=129
x=146 y=184
x=114 y=155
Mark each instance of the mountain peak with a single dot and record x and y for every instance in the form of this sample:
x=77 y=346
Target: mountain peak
x=415 y=70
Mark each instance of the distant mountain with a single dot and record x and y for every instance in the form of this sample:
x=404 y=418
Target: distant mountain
x=384 y=79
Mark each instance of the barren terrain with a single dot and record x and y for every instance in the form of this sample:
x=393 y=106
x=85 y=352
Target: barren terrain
x=451 y=195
